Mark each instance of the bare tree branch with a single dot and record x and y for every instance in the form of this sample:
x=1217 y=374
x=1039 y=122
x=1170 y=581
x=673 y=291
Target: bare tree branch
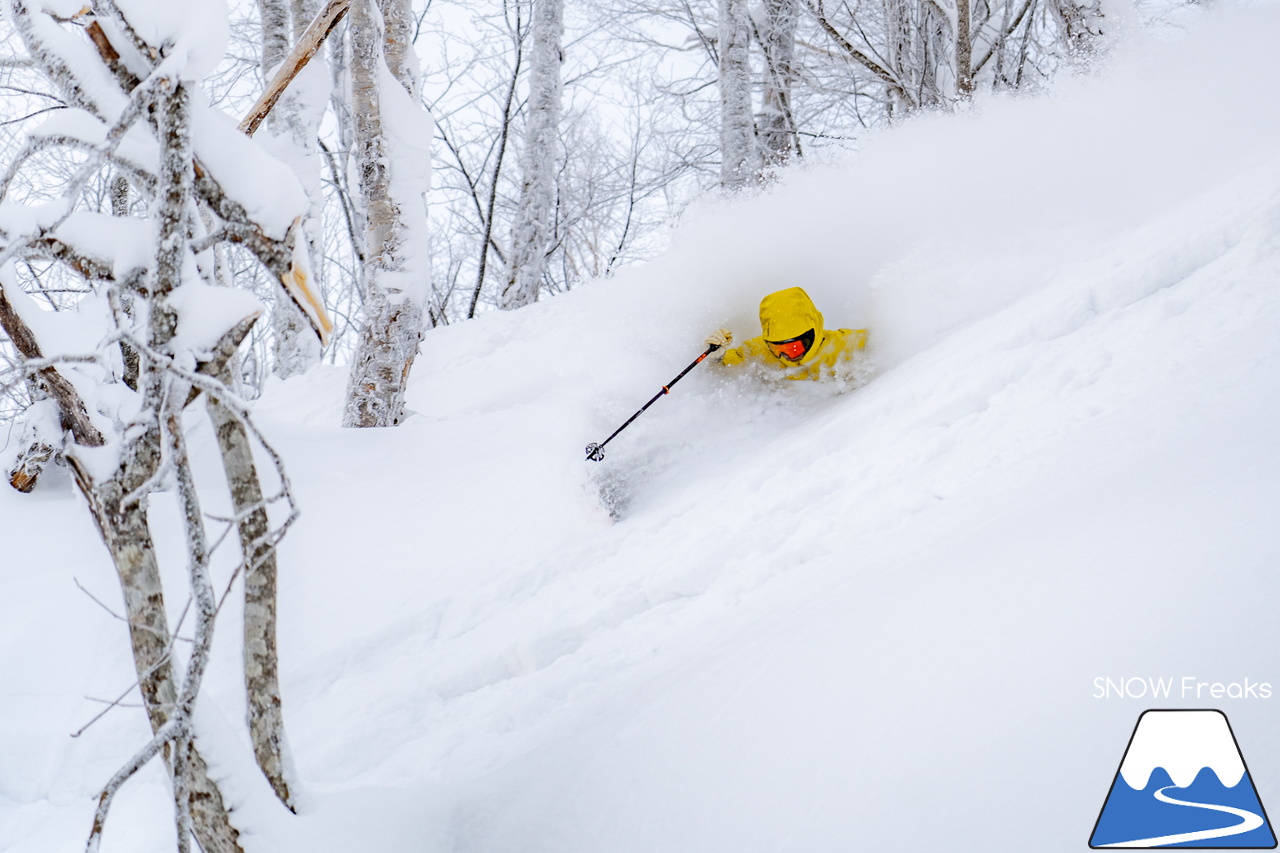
x=297 y=59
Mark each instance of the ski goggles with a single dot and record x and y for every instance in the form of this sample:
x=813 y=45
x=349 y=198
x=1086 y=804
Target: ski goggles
x=792 y=348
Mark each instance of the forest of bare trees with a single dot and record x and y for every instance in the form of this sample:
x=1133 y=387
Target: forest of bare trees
x=558 y=141
x=192 y=201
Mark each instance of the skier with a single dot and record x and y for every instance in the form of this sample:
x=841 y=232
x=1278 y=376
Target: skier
x=793 y=339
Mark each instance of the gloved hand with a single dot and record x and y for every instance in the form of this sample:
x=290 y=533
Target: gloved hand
x=720 y=338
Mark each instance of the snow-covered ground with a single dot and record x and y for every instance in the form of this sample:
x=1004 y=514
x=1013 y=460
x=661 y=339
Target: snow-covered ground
x=830 y=618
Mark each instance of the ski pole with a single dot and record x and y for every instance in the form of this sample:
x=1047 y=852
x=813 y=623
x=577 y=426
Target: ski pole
x=595 y=452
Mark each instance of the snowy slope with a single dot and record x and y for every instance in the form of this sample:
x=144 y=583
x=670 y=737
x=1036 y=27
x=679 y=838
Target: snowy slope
x=830 y=619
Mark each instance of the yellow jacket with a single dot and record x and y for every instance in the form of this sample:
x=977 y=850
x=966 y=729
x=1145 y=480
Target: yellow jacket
x=788 y=314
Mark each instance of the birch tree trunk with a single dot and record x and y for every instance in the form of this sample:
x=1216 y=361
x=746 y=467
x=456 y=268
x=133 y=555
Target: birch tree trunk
x=296 y=118
x=122 y=524
x=738 y=159
x=339 y=54
x=936 y=57
x=964 y=50
x=261 y=668
x=120 y=207
x=533 y=234
x=119 y=503
x=393 y=183
x=898 y=33
x=397 y=43
x=778 y=39
x=275 y=33
x=185 y=203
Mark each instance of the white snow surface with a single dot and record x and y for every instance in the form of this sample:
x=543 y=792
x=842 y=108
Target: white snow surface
x=1183 y=743
x=830 y=618
x=206 y=313
x=194 y=32
x=246 y=171
x=408 y=129
x=67 y=47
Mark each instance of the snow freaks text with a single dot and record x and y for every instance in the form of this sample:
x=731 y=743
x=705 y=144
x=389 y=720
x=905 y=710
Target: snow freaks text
x=1186 y=687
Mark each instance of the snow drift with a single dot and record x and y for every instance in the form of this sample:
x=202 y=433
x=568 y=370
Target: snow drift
x=830 y=618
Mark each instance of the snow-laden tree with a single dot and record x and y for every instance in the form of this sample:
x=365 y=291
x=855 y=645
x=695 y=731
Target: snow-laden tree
x=818 y=73
x=154 y=331
x=624 y=163
x=534 y=233
x=777 y=37
x=294 y=125
x=739 y=159
x=1080 y=24
x=392 y=135
x=935 y=54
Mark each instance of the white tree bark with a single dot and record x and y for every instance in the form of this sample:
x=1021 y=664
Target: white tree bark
x=275 y=33
x=261 y=667
x=738 y=157
x=397 y=44
x=119 y=502
x=533 y=233
x=964 y=50
x=185 y=205
x=393 y=181
x=295 y=123
x=778 y=141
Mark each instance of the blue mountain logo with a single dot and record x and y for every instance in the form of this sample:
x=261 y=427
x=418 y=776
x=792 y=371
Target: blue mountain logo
x=1183 y=783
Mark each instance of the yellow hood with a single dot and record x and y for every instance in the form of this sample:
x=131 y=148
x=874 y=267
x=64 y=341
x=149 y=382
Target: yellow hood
x=789 y=314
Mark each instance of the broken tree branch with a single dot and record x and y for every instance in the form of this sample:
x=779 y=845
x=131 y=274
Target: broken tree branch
x=74 y=413
x=297 y=59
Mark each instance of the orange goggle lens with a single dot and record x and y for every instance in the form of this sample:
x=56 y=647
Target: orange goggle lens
x=792 y=348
